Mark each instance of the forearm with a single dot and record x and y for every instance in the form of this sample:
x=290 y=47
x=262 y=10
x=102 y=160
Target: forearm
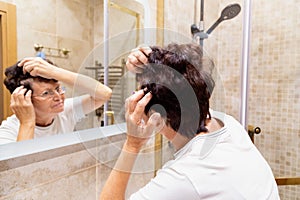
x=26 y=132
x=83 y=83
x=116 y=184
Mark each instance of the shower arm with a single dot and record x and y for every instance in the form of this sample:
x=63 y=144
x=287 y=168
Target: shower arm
x=203 y=35
x=227 y=13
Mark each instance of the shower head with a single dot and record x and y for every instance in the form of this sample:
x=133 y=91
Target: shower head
x=228 y=12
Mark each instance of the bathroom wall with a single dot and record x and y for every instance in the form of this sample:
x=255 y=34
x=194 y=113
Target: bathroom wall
x=273 y=83
x=273 y=73
x=274 y=87
x=273 y=76
x=274 y=55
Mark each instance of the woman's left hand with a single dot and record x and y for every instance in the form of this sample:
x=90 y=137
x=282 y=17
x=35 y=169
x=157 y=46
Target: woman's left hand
x=37 y=66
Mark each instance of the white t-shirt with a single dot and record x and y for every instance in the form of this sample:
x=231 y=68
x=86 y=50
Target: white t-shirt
x=64 y=122
x=221 y=165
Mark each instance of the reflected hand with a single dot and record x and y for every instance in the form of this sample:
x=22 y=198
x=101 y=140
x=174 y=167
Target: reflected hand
x=139 y=126
x=137 y=59
x=37 y=66
x=22 y=106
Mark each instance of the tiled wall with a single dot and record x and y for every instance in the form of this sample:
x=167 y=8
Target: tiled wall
x=274 y=87
x=274 y=76
x=274 y=73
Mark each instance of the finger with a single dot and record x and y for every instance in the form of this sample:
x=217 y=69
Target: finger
x=28 y=67
x=18 y=97
x=28 y=95
x=145 y=49
x=23 y=61
x=142 y=58
x=15 y=94
x=140 y=108
x=21 y=94
x=154 y=124
x=133 y=100
x=133 y=61
x=139 y=54
x=134 y=69
x=18 y=89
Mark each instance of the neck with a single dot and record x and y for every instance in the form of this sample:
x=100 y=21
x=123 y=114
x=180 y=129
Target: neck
x=180 y=141
x=44 y=121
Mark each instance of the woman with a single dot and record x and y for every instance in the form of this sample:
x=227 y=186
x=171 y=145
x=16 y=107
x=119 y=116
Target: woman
x=38 y=101
x=214 y=159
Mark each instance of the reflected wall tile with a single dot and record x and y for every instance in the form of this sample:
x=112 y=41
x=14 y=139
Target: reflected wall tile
x=29 y=37
x=74 y=20
x=80 y=50
x=37 y=15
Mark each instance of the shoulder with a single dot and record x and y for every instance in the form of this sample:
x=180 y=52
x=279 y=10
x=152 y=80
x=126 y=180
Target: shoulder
x=9 y=130
x=166 y=185
x=11 y=120
x=74 y=101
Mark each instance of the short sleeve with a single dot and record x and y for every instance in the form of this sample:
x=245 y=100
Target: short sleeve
x=73 y=106
x=9 y=130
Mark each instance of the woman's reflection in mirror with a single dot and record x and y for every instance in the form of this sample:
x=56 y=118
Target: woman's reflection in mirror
x=38 y=100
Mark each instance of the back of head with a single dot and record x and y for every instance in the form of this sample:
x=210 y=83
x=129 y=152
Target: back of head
x=180 y=86
x=15 y=78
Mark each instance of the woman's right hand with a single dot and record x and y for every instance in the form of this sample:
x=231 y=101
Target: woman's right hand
x=21 y=105
x=139 y=126
x=137 y=59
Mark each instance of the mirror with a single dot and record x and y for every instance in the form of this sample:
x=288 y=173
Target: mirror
x=83 y=38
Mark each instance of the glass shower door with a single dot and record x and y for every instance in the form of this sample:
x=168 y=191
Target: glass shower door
x=274 y=89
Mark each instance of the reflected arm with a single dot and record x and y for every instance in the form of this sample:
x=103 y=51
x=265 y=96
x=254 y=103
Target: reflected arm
x=97 y=93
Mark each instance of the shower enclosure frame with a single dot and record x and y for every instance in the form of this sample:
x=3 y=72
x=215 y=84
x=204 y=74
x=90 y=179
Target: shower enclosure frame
x=107 y=4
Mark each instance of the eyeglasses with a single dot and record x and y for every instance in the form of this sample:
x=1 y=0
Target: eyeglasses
x=48 y=94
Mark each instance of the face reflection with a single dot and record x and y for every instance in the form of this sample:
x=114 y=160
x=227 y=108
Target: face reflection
x=47 y=104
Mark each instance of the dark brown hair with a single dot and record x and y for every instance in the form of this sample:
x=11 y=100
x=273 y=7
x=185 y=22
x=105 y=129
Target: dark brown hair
x=15 y=78
x=181 y=84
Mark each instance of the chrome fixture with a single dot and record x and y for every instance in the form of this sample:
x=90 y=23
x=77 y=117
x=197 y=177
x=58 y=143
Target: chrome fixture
x=228 y=12
x=53 y=52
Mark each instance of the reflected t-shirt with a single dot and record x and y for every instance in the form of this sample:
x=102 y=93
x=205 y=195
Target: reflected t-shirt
x=64 y=122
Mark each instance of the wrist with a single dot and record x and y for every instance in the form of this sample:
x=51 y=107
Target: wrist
x=130 y=147
x=56 y=72
x=27 y=123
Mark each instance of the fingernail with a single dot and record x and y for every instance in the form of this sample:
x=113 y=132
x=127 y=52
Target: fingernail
x=155 y=116
x=145 y=90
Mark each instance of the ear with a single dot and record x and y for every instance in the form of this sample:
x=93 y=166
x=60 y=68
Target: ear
x=157 y=121
x=168 y=132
